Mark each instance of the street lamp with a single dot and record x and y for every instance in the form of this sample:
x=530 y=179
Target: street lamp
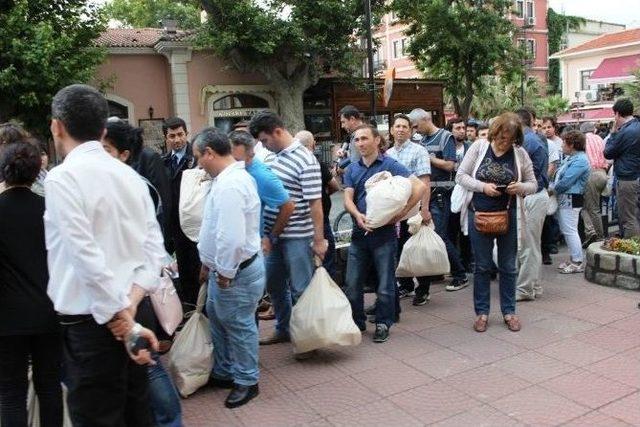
x=372 y=82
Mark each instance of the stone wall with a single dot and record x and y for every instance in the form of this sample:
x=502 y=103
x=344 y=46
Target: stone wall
x=612 y=268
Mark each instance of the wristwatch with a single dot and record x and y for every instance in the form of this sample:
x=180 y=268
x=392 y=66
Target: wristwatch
x=273 y=239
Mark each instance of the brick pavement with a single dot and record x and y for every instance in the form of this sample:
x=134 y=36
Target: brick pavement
x=575 y=363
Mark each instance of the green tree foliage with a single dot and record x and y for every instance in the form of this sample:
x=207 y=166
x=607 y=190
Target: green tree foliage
x=499 y=94
x=44 y=46
x=290 y=42
x=632 y=91
x=558 y=24
x=460 y=42
x=150 y=13
x=551 y=105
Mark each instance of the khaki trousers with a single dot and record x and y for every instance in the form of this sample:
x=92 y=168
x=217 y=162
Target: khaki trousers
x=591 y=215
x=529 y=254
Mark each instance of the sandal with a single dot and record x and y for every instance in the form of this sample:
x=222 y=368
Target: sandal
x=512 y=322
x=480 y=325
x=563 y=265
x=573 y=268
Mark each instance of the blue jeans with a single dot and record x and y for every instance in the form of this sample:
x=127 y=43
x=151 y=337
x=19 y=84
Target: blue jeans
x=289 y=270
x=482 y=245
x=233 y=326
x=329 y=262
x=163 y=397
x=440 y=208
x=362 y=254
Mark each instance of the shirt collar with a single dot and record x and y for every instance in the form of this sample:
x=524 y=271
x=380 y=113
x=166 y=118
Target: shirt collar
x=84 y=148
x=402 y=146
x=181 y=152
x=291 y=148
x=380 y=159
x=226 y=171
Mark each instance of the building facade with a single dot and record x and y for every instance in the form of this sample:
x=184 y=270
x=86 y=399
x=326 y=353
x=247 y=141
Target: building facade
x=529 y=16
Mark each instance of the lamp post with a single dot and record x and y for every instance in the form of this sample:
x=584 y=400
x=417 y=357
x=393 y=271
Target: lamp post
x=372 y=82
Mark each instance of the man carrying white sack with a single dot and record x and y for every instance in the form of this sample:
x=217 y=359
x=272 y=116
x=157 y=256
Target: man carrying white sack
x=373 y=246
x=230 y=251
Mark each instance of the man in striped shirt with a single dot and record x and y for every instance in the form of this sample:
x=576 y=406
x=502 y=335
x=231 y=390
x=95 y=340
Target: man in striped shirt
x=591 y=215
x=289 y=254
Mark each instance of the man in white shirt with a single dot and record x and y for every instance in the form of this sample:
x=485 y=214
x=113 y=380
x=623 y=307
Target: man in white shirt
x=230 y=249
x=105 y=253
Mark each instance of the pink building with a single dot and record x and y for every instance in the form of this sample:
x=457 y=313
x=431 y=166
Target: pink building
x=530 y=16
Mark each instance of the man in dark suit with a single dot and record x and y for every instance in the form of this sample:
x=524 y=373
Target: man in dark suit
x=178 y=158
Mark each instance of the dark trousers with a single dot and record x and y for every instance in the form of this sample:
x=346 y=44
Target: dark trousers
x=460 y=241
x=550 y=234
x=188 y=265
x=406 y=283
x=106 y=388
x=45 y=353
x=329 y=262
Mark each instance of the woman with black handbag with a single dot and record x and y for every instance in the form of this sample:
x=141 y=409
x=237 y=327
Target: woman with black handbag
x=498 y=174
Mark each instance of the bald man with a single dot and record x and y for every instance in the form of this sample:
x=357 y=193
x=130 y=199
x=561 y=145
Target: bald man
x=329 y=186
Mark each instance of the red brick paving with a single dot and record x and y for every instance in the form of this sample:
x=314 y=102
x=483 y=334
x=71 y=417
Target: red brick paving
x=576 y=362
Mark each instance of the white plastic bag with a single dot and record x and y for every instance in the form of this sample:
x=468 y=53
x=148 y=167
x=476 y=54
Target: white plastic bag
x=606 y=192
x=191 y=356
x=424 y=254
x=322 y=316
x=166 y=304
x=387 y=195
x=194 y=187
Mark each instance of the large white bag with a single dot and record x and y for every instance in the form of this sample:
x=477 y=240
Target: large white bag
x=191 y=356
x=387 y=195
x=424 y=254
x=322 y=316
x=194 y=187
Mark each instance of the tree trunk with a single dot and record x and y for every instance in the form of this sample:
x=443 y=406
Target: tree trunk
x=290 y=106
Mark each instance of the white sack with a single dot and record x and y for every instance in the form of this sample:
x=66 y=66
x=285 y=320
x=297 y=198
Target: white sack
x=424 y=254
x=387 y=195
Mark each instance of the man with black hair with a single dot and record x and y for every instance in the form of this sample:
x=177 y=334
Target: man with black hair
x=483 y=131
x=472 y=130
x=105 y=254
x=229 y=246
x=441 y=146
x=350 y=119
x=289 y=262
x=623 y=147
x=179 y=157
x=535 y=206
x=550 y=227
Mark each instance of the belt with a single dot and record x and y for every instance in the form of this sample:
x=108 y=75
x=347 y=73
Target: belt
x=73 y=319
x=246 y=263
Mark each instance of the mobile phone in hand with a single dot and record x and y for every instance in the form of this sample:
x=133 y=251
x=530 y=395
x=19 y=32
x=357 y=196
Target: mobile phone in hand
x=135 y=343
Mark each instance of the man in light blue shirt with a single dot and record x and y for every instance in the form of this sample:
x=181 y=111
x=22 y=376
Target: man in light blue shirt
x=229 y=246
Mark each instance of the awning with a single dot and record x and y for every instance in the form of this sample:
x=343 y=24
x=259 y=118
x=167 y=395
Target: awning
x=594 y=115
x=615 y=70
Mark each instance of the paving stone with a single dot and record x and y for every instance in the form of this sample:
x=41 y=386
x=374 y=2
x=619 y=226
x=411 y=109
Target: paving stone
x=627 y=409
x=337 y=396
x=486 y=383
x=539 y=407
x=377 y=414
x=596 y=419
x=484 y=416
x=392 y=379
x=575 y=352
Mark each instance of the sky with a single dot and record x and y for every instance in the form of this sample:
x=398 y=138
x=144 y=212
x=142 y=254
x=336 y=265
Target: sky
x=625 y=12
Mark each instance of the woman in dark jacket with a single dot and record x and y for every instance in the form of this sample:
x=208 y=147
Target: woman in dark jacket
x=28 y=324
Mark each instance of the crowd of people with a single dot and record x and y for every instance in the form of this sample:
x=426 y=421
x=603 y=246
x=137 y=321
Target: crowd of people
x=82 y=245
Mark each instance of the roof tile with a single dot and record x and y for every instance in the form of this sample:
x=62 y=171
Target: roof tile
x=604 y=41
x=137 y=37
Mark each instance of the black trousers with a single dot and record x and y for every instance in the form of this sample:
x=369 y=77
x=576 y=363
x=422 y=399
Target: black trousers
x=189 y=266
x=45 y=353
x=106 y=388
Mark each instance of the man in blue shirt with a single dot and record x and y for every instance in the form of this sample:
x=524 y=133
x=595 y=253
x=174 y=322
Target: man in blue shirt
x=535 y=207
x=373 y=246
x=442 y=149
x=270 y=188
x=623 y=146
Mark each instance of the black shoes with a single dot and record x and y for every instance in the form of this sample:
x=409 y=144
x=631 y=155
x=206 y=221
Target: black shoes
x=546 y=259
x=241 y=394
x=382 y=333
x=421 y=299
x=275 y=338
x=457 y=284
x=219 y=383
x=589 y=240
x=405 y=293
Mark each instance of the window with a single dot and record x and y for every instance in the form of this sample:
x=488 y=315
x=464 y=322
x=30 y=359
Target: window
x=118 y=110
x=584 y=76
x=400 y=48
x=520 y=8
x=531 y=49
x=240 y=100
x=530 y=9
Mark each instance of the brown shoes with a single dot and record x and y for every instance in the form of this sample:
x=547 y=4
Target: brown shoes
x=512 y=322
x=480 y=325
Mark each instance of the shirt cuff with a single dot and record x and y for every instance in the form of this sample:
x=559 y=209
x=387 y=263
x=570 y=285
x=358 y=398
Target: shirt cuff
x=146 y=280
x=229 y=273
x=102 y=313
